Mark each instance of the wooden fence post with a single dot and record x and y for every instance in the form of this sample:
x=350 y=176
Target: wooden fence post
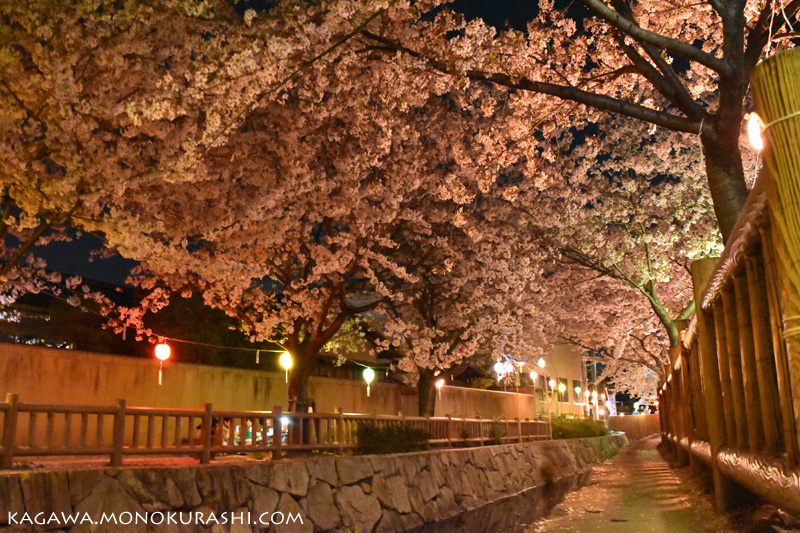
x=339 y=431
x=9 y=430
x=205 y=455
x=712 y=386
x=480 y=430
x=118 y=439
x=776 y=95
x=449 y=430
x=277 y=432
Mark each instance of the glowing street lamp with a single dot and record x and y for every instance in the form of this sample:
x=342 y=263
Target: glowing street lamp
x=439 y=385
x=541 y=362
x=369 y=375
x=286 y=363
x=578 y=391
x=552 y=383
x=162 y=352
x=534 y=375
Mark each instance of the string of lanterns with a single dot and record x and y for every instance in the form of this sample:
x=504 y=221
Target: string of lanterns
x=163 y=351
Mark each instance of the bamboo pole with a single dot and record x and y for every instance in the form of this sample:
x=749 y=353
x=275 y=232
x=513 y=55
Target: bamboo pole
x=735 y=365
x=765 y=363
x=779 y=351
x=776 y=94
x=698 y=396
x=724 y=373
x=752 y=400
x=712 y=387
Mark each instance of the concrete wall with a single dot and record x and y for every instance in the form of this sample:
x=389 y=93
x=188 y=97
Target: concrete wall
x=462 y=402
x=635 y=426
x=46 y=375
x=380 y=493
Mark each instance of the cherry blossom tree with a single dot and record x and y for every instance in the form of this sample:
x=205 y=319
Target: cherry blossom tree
x=472 y=295
x=682 y=68
x=625 y=235
x=610 y=324
x=314 y=212
x=99 y=101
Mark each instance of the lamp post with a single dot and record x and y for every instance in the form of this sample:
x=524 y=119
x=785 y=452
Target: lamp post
x=439 y=385
x=561 y=389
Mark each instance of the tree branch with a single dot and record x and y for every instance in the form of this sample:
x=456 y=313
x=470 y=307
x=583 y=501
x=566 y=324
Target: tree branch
x=632 y=29
x=759 y=34
x=599 y=101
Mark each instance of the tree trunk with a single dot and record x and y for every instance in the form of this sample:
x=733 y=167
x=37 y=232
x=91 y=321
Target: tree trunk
x=725 y=175
x=302 y=367
x=426 y=388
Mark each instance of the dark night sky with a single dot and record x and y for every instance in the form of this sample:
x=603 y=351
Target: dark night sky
x=499 y=13
x=73 y=258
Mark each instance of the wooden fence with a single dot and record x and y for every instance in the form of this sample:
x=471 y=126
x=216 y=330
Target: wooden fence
x=635 y=426
x=119 y=430
x=731 y=398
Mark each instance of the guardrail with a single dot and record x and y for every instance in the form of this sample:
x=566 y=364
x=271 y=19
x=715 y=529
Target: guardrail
x=119 y=431
x=731 y=400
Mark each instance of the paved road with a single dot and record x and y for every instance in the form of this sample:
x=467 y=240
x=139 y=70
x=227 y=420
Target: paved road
x=635 y=492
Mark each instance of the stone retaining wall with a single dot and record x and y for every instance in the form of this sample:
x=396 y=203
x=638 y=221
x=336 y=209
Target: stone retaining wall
x=363 y=493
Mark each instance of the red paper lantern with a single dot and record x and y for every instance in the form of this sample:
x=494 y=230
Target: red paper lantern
x=162 y=352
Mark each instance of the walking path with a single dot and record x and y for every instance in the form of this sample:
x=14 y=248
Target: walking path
x=636 y=492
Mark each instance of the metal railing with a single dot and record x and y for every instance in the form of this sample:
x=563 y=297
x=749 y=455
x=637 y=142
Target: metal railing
x=119 y=431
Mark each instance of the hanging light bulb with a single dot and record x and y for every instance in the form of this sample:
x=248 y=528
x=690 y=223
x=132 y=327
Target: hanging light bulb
x=534 y=375
x=754 y=129
x=500 y=369
x=286 y=363
x=369 y=375
x=162 y=352
x=541 y=362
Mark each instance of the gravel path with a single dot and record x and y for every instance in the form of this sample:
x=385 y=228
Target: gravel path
x=636 y=492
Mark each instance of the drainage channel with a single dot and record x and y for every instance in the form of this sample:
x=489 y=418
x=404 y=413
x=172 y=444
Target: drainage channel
x=514 y=513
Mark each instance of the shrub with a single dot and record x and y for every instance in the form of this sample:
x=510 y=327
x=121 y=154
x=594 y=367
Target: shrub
x=396 y=438
x=576 y=429
x=496 y=432
x=464 y=441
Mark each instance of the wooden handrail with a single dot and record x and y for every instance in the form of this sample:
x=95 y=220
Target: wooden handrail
x=120 y=430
